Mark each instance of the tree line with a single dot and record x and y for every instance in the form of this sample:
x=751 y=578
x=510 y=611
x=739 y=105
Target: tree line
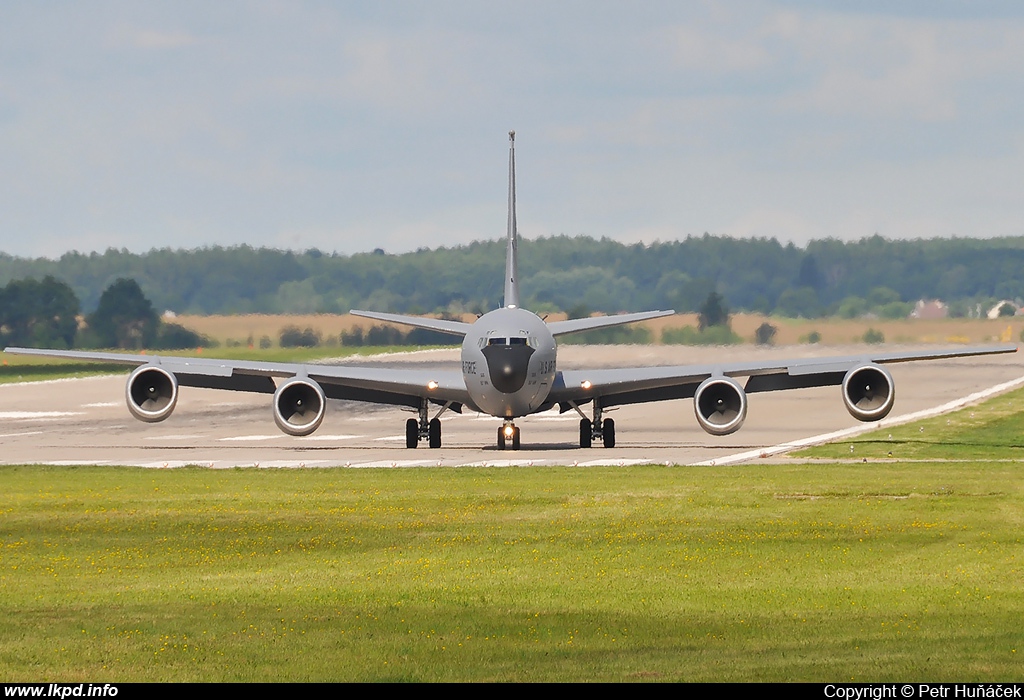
x=559 y=273
x=45 y=314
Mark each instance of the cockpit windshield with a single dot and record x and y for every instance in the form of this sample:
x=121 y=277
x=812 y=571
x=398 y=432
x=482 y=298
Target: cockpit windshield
x=507 y=341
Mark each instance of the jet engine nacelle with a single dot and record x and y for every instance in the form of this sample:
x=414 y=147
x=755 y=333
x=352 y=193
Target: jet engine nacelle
x=151 y=393
x=299 y=406
x=868 y=392
x=721 y=405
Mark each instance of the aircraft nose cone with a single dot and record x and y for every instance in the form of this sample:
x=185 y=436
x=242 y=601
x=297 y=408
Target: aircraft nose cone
x=508 y=366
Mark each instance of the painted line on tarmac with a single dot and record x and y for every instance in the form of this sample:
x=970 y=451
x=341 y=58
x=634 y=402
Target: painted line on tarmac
x=172 y=437
x=62 y=380
x=37 y=415
x=327 y=438
x=859 y=429
x=251 y=438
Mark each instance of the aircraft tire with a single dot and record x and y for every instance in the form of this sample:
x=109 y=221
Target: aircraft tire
x=608 y=432
x=586 y=432
x=412 y=433
x=501 y=438
x=515 y=438
x=434 y=434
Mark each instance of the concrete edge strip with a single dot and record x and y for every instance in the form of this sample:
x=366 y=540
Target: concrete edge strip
x=859 y=429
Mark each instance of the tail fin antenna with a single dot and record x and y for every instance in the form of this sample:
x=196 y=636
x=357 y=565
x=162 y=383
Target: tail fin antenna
x=511 y=262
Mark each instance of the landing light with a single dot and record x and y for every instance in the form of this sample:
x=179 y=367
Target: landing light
x=431 y=384
x=586 y=384
x=509 y=431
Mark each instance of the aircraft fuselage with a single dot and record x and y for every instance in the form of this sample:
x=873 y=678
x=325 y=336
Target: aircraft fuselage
x=508 y=362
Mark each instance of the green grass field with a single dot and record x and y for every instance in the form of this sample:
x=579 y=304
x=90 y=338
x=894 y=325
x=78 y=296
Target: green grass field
x=812 y=572
x=993 y=430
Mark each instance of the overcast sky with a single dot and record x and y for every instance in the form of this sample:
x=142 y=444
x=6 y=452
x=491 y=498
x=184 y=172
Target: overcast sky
x=351 y=126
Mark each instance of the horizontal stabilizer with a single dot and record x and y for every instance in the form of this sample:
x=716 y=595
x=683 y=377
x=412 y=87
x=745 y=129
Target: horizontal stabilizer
x=432 y=324
x=578 y=325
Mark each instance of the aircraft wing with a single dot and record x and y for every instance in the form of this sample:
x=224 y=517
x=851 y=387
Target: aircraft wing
x=431 y=324
x=616 y=387
x=578 y=325
x=400 y=387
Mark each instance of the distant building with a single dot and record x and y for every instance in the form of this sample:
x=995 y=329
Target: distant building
x=929 y=308
x=994 y=311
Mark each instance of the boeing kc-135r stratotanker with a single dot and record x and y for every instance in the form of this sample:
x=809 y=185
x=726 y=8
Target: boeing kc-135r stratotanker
x=510 y=370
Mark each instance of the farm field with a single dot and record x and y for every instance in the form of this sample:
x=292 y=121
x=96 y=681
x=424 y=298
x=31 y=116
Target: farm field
x=802 y=572
x=833 y=331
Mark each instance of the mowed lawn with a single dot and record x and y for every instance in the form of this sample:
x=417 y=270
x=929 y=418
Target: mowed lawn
x=861 y=572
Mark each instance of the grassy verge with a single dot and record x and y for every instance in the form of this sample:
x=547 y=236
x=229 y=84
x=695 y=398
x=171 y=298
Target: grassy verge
x=841 y=572
x=993 y=430
x=16 y=368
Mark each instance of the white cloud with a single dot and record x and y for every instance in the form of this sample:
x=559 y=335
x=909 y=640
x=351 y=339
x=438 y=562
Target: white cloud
x=340 y=126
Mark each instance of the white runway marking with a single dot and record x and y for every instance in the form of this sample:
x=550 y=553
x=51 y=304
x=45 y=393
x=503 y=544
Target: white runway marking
x=62 y=380
x=333 y=437
x=172 y=437
x=612 y=462
x=30 y=415
x=394 y=463
x=250 y=438
x=101 y=404
x=859 y=429
x=509 y=463
x=390 y=438
x=30 y=432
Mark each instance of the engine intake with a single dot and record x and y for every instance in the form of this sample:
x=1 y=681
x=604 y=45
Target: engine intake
x=868 y=392
x=721 y=405
x=151 y=393
x=299 y=406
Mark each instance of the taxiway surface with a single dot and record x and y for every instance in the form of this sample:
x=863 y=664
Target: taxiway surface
x=85 y=421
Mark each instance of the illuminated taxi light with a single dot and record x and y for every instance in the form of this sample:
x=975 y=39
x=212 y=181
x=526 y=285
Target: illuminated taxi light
x=586 y=384
x=509 y=430
x=432 y=384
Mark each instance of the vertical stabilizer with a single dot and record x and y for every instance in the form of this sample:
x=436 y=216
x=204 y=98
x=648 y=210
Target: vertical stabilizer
x=511 y=263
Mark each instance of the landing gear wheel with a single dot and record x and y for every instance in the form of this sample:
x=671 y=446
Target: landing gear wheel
x=586 y=432
x=412 y=433
x=501 y=438
x=608 y=432
x=434 y=433
x=515 y=438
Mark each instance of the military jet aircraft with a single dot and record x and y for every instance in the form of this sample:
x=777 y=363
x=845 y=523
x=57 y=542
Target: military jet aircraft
x=509 y=370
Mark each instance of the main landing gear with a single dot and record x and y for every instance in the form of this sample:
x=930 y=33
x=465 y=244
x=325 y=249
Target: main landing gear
x=508 y=433
x=600 y=428
x=423 y=429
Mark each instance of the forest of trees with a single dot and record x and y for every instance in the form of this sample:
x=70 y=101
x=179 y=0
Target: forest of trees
x=45 y=314
x=558 y=274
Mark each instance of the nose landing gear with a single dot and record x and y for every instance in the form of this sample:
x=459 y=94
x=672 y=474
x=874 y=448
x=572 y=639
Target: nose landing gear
x=508 y=433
